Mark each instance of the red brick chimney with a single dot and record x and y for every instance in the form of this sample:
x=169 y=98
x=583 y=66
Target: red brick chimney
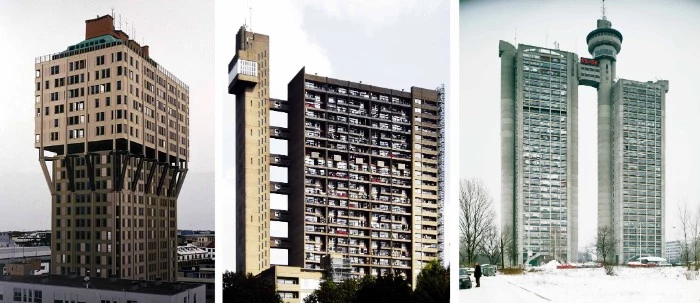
x=100 y=26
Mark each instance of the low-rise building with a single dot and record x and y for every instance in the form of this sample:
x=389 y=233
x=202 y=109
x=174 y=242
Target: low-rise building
x=292 y=283
x=673 y=251
x=77 y=289
x=211 y=250
x=190 y=252
x=31 y=267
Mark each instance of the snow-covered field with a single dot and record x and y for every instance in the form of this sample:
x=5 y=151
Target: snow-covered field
x=638 y=285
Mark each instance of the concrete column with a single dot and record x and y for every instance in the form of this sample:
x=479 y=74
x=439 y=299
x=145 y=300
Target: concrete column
x=507 y=53
x=605 y=143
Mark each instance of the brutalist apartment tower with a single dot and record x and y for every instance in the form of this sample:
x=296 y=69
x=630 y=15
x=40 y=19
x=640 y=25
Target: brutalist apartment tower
x=363 y=168
x=112 y=129
x=539 y=149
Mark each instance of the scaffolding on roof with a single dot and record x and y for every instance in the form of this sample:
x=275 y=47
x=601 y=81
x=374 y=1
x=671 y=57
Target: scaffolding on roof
x=441 y=173
x=338 y=267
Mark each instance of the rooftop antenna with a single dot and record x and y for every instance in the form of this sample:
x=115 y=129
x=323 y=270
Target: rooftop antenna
x=112 y=15
x=602 y=9
x=516 y=36
x=126 y=20
x=250 y=8
x=556 y=45
x=120 y=21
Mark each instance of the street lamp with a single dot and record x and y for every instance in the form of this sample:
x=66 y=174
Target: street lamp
x=639 y=232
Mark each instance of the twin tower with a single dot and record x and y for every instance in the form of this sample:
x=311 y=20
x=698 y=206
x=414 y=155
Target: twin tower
x=539 y=157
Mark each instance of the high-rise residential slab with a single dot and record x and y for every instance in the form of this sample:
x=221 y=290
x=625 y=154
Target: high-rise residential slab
x=362 y=168
x=114 y=126
x=539 y=117
x=539 y=149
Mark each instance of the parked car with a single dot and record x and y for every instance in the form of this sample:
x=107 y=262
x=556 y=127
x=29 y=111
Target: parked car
x=464 y=280
x=488 y=270
x=649 y=262
x=566 y=266
x=591 y=265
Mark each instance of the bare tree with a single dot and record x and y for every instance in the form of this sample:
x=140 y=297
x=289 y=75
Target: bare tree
x=605 y=243
x=476 y=217
x=490 y=246
x=690 y=227
x=685 y=222
x=506 y=246
x=695 y=238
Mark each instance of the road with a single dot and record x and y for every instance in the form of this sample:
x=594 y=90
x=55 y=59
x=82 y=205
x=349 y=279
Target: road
x=499 y=289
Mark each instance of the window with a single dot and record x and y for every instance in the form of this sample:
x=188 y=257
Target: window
x=100 y=60
x=36 y=75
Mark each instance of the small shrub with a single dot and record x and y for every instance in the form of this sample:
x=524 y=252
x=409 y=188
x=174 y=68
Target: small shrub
x=512 y=271
x=609 y=270
x=691 y=275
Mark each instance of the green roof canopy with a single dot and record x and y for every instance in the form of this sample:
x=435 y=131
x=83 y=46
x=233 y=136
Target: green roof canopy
x=93 y=42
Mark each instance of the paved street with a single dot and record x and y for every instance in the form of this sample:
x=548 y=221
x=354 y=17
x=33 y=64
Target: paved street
x=498 y=289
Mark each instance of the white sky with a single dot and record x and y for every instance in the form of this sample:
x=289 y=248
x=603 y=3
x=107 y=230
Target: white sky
x=659 y=40
x=392 y=43
x=180 y=35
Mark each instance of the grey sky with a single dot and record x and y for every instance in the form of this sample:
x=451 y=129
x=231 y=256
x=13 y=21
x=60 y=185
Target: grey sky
x=660 y=38
x=180 y=35
x=395 y=44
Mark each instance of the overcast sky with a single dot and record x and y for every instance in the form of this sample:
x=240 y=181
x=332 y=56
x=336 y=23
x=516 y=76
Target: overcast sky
x=395 y=44
x=180 y=35
x=660 y=38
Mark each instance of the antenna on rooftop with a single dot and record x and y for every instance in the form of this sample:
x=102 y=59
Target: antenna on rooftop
x=556 y=45
x=516 y=36
x=250 y=8
x=120 y=21
x=602 y=9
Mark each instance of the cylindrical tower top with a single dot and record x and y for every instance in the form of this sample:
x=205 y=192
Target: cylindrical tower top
x=604 y=41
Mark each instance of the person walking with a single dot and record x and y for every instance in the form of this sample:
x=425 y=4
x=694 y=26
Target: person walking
x=477 y=273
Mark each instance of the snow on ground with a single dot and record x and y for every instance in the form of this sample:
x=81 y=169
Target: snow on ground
x=636 y=285
x=495 y=290
x=551 y=265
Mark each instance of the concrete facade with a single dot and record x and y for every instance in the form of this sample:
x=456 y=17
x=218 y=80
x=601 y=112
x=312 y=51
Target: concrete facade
x=630 y=195
x=116 y=126
x=249 y=81
x=65 y=289
x=362 y=166
x=293 y=283
x=638 y=166
x=539 y=166
x=673 y=251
